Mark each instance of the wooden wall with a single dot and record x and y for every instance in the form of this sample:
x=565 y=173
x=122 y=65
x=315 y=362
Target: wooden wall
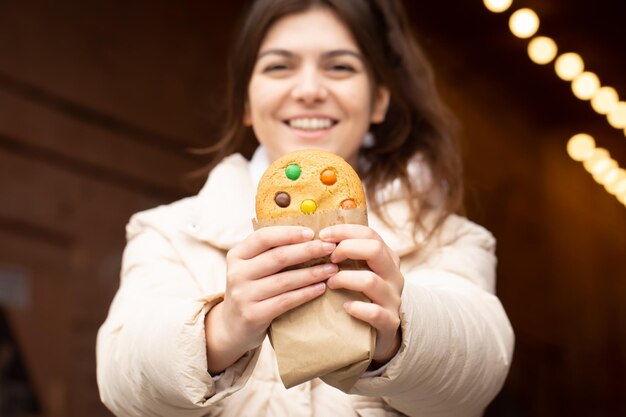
x=100 y=99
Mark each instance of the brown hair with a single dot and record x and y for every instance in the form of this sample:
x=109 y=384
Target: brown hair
x=416 y=123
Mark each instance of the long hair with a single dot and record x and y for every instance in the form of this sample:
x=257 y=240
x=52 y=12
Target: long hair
x=416 y=125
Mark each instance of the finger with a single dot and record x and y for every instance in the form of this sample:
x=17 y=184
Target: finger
x=277 y=259
x=386 y=322
x=368 y=283
x=291 y=280
x=273 y=307
x=373 y=251
x=339 y=232
x=270 y=237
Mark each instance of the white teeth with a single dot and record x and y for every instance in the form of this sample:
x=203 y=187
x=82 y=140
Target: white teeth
x=310 y=124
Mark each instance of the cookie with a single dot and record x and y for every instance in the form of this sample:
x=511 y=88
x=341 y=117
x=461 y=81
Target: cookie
x=305 y=182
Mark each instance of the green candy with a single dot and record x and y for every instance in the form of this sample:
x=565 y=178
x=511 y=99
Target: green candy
x=293 y=171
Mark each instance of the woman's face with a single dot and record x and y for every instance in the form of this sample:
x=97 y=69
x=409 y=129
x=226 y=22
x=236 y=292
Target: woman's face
x=310 y=88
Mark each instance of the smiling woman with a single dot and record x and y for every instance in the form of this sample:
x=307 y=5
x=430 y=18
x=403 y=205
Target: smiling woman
x=311 y=87
x=186 y=333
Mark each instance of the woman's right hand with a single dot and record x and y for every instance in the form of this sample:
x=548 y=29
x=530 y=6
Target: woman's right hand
x=257 y=291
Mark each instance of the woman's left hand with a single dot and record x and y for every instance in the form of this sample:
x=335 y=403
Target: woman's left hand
x=382 y=285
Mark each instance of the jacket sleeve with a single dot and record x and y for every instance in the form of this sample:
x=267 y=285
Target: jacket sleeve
x=457 y=342
x=151 y=350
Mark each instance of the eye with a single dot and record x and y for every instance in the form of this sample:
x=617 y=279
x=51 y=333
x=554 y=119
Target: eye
x=275 y=67
x=342 y=68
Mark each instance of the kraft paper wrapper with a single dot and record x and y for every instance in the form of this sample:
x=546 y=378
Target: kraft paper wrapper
x=319 y=339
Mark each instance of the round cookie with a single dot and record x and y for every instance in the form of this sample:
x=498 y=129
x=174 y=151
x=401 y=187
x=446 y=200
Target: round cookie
x=307 y=181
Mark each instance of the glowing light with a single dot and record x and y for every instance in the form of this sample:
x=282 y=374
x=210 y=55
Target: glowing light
x=597 y=155
x=618 y=186
x=542 y=50
x=605 y=100
x=609 y=176
x=568 y=66
x=602 y=168
x=524 y=23
x=497 y=6
x=581 y=146
x=617 y=117
x=586 y=85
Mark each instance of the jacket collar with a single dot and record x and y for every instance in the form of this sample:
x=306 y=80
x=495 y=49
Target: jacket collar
x=227 y=207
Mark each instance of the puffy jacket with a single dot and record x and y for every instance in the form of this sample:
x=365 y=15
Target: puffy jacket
x=151 y=353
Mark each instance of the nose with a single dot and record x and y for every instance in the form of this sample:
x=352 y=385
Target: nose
x=309 y=87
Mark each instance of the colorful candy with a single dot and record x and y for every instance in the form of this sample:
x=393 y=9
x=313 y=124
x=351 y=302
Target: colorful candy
x=348 y=203
x=308 y=206
x=293 y=171
x=328 y=176
x=282 y=199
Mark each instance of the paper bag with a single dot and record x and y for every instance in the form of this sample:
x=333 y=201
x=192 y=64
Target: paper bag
x=319 y=339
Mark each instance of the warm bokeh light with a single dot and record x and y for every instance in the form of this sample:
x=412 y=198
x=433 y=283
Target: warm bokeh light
x=617 y=117
x=497 y=6
x=618 y=186
x=524 y=23
x=542 y=50
x=605 y=100
x=602 y=168
x=568 y=66
x=581 y=146
x=586 y=85
x=609 y=176
x=597 y=155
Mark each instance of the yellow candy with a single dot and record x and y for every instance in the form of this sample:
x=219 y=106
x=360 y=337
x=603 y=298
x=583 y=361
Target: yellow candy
x=308 y=206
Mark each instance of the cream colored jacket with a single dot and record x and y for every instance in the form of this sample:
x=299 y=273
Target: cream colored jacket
x=457 y=340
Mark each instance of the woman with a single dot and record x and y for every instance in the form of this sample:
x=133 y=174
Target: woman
x=185 y=333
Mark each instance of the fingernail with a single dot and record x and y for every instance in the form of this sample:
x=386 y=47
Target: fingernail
x=324 y=234
x=320 y=286
x=330 y=268
x=308 y=233
x=328 y=247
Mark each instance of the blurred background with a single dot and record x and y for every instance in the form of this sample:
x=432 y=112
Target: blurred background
x=100 y=101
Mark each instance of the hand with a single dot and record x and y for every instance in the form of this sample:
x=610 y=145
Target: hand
x=382 y=285
x=257 y=291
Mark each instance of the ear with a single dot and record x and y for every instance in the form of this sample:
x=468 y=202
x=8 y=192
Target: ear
x=247 y=117
x=380 y=105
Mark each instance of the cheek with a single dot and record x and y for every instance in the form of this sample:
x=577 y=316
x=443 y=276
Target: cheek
x=356 y=101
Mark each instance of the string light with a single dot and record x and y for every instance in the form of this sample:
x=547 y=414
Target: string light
x=497 y=6
x=542 y=50
x=568 y=66
x=598 y=162
x=524 y=23
x=605 y=100
x=586 y=85
x=617 y=116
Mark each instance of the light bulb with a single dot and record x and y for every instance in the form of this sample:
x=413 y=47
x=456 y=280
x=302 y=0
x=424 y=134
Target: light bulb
x=597 y=155
x=580 y=146
x=542 y=50
x=524 y=23
x=605 y=100
x=568 y=66
x=585 y=85
x=617 y=116
x=497 y=6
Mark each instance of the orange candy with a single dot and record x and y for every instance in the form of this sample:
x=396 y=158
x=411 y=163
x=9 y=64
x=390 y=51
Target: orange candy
x=348 y=203
x=328 y=177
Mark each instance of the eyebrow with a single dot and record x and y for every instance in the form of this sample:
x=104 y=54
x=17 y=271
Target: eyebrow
x=330 y=54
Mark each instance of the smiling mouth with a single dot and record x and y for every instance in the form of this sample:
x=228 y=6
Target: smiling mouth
x=311 y=123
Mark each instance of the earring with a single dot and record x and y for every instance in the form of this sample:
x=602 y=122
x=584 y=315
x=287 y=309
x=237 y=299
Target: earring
x=368 y=140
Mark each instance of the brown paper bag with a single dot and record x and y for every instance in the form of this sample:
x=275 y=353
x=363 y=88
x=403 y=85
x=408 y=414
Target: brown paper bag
x=319 y=339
